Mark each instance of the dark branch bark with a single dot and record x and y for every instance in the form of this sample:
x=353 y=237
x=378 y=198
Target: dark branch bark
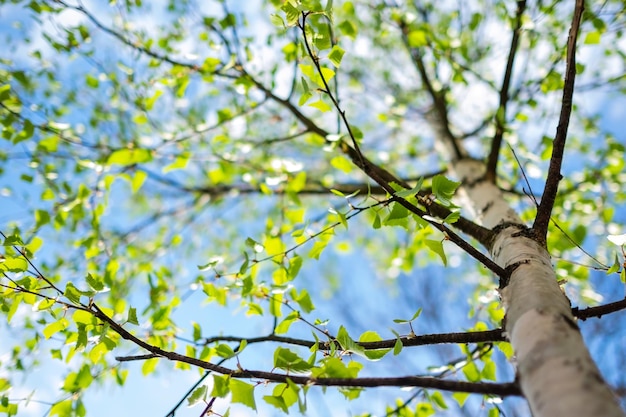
x=599 y=311
x=504 y=389
x=496 y=143
x=542 y=220
x=419 y=340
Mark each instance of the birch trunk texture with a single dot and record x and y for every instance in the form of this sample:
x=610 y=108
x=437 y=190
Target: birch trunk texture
x=555 y=371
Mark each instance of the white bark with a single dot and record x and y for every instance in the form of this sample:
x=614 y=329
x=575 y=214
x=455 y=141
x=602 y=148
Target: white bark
x=556 y=373
x=487 y=204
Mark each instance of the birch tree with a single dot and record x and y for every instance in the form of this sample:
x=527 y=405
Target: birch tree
x=167 y=163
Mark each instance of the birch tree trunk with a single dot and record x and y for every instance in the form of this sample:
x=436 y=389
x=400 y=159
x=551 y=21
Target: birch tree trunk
x=555 y=371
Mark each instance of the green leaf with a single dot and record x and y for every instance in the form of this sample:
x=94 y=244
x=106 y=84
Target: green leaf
x=295 y=263
x=489 y=370
x=320 y=244
x=289 y=361
x=5 y=92
x=341 y=163
x=225 y=351
x=460 y=397
x=62 y=409
x=180 y=162
x=45 y=304
x=334 y=368
x=132 y=316
x=615 y=267
x=197 y=395
x=397 y=347
x=348 y=28
x=292 y=14
x=277 y=20
x=138 y=179
x=13 y=240
x=277 y=401
x=82 y=317
x=321 y=105
x=303 y=299
x=5 y=384
x=553 y=81
x=347 y=343
x=452 y=217
x=377 y=223
x=304 y=98
x=398 y=216
x=127 y=157
x=336 y=55
x=417 y=39
x=311 y=73
x=95 y=283
x=149 y=366
x=593 y=38
x=438 y=399
x=415 y=315
x=371 y=354
x=413 y=191
x=91 y=81
x=220 y=386
x=55 y=327
x=444 y=189
x=471 y=372
x=437 y=247
x=197 y=331
x=28 y=129
x=283 y=326
x=73 y=294
x=256 y=246
x=10 y=264
x=243 y=393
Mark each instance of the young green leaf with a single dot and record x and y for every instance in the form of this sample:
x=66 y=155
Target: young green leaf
x=437 y=247
x=199 y=394
x=336 y=55
x=373 y=354
x=413 y=191
x=444 y=189
x=132 y=316
x=243 y=393
x=289 y=361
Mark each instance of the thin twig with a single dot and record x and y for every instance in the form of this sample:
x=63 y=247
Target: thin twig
x=496 y=143
x=542 y=220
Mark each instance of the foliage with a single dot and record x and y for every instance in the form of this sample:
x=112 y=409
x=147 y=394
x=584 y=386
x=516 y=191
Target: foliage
x=176 y=172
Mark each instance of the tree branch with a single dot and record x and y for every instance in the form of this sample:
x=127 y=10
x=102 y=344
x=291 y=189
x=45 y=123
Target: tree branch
x=542 y=220
x=599 y=311
x=504 y=389
x=407 y=341
x=438 y=114
x=496 y=143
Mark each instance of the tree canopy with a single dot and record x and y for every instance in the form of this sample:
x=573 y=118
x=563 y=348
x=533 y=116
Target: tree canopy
x=276 y=205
